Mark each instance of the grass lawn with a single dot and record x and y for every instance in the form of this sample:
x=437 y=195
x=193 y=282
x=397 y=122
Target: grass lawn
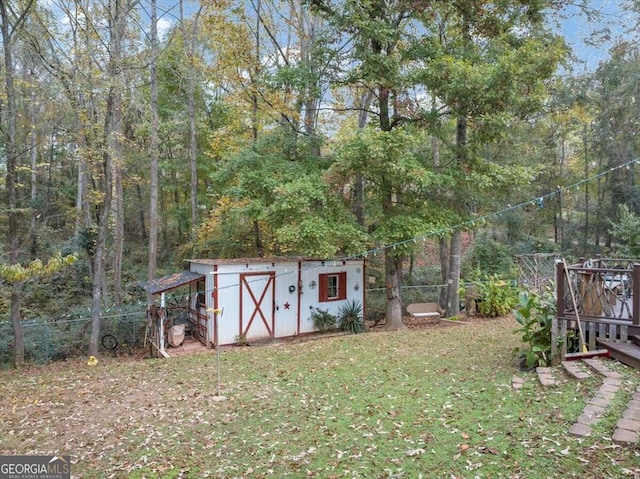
x=434 y=403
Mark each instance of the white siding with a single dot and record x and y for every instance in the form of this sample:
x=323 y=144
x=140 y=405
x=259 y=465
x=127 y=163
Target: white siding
x=292 y=302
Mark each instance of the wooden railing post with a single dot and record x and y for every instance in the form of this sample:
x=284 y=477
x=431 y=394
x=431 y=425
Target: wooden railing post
x=560 y=274
x=635 y=285
x=556 y=356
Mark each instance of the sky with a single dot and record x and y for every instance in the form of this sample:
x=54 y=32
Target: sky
x=572 y=23
x=577 y=29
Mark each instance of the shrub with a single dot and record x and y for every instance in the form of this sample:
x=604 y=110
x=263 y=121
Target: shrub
x=323 y=320
x=495 y=296
x=350 y=317
x=535 y=314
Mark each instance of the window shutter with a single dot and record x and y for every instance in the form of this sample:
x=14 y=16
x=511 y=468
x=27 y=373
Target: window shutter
x=323 y=280
x=342 y=285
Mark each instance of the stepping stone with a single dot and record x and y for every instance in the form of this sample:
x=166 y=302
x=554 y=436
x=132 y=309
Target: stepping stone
x=633 y=404
x=546 y=376
x=517 y=382
x=599 y=401
x=608 y=388
x=580 y=430
x=633 y=414
x=606 y=395
x=612 y=381
x=575 y=370
x=595 y=410
x=623 y=436
x=547 y=380
x=588 y=419
x=600 y=367
x=628 y=424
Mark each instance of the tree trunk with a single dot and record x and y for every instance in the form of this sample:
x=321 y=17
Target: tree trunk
x=153 y=153
x=444 y=271
x=110 y=155
x=9 y=130
x=453 y=282
x=34 y=176
x=358 y=183
x=119 y=222
x=190 y=39
x=16 y=323
x=257 y=234
x=393 y=287
x=103 y=225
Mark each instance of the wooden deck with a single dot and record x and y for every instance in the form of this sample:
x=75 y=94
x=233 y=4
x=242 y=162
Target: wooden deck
x=606 y=299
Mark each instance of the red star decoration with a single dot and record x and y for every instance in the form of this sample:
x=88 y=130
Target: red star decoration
x=287 y=305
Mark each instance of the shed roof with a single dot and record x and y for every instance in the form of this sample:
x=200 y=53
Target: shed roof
x=172 y=281
x=274 y=259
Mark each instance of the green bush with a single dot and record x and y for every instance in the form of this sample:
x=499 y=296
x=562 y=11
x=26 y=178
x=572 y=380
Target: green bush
x=350 y=317
x=489 y=256
x=323 y=320
x=535 y=314
x=495 y=296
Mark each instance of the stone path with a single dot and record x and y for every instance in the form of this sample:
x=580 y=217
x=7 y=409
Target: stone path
x=628 y=428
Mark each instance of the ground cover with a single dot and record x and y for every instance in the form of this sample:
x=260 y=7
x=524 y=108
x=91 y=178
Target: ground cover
x=433 y=402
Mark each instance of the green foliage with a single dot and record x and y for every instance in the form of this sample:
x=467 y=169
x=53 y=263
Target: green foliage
x=495 y=296
x=68 y=336
x=16 y=273
x=323 y=320
x=534 y=315
x=307 y=218
x=392 y=166
x=490 y=257
x=350 y=317
x=626 y=232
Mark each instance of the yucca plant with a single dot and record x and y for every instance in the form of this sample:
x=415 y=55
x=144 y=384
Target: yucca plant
x=350 y=317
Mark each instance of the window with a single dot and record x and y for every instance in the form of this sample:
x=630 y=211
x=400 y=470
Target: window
x=333 y=286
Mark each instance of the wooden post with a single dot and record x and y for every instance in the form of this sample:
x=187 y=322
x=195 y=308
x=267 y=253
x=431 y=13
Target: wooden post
x=557 y=356
x=560 y=277
x=635 y=285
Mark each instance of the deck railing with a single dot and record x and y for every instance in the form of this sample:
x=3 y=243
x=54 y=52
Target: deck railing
x=606 y=298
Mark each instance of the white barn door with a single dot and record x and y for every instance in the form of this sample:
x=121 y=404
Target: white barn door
x=257 y=305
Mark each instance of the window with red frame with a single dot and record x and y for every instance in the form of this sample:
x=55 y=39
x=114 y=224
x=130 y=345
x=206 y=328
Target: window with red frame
x=333 y=286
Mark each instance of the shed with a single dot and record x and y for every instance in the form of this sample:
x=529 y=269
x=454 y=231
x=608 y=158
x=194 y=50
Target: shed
x=236 y=300
x=256 y=298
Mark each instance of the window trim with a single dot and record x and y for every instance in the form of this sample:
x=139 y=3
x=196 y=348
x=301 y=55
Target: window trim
x=323 y=281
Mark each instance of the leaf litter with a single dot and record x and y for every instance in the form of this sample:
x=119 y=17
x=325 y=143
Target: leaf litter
x=430 y=402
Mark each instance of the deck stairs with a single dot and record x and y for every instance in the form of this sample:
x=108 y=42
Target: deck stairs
x=627 y=353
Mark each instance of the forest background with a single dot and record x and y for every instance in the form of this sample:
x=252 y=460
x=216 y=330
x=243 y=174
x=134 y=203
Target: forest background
x=437 y=139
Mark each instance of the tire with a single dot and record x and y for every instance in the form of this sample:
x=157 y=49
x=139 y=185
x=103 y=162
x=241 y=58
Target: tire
x=109 y=342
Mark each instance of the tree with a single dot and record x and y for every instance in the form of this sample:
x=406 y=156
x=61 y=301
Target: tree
x=487 y=63
x=626 y=232
x=12 y=21
x=153 y=148
x=16 y=275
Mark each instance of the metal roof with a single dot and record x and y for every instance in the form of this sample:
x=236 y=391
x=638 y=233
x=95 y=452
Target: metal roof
x=172 y=281
x=274 y=259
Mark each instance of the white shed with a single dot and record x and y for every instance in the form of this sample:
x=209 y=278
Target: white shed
x=259 y=298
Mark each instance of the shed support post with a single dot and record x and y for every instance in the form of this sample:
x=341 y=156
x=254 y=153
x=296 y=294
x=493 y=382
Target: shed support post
x=635 y=284
x=161 y=332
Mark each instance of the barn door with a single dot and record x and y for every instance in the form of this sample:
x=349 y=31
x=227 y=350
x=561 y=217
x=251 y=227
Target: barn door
x=257 y=305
